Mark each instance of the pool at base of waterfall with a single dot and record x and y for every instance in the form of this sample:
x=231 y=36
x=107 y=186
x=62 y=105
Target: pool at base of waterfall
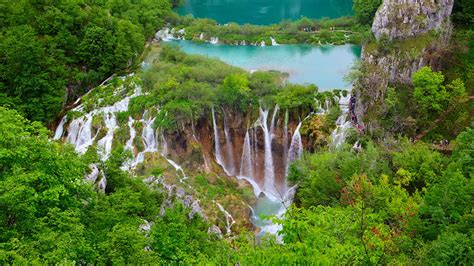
x=263 y=209
x=322 y=65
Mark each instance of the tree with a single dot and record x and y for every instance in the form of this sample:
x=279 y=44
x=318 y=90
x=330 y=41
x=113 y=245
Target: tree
x=234 y=91
x=429 y=92
x=30 y=79
x=365 y=10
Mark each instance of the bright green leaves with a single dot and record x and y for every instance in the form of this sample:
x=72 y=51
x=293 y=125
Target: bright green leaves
x=365 y=10
x=234 y=92
x=431 y=95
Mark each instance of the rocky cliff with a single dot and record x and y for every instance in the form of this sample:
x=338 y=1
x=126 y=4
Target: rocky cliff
x=400 y=19
x=409 y=34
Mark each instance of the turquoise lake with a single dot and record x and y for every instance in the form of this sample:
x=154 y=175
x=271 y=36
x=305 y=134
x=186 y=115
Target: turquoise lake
x=264 y=12
x=324 y=66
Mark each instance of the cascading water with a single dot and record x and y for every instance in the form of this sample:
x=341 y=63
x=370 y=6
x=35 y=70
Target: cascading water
x=133 y=133
x=269 y=171
x=230 y=162
x=274 y=42
x=339 y=134
x=217 y=145
x=60 y=129
x=296 y=148
x=105 y=144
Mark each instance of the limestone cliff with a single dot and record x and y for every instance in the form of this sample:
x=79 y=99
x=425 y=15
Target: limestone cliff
x=400 y=19
x=409 y=34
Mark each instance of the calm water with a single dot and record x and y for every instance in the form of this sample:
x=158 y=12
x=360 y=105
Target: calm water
x=265 y=12
x=323 y=65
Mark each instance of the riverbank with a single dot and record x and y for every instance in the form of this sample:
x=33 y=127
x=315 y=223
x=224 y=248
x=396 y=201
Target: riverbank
x=344 y=30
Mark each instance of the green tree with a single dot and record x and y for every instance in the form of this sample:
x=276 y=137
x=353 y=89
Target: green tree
x=365 y=10
x=234 y=91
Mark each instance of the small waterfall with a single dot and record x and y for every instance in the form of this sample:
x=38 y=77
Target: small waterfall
x=148 y=139
x=92 y=176
x=217 y=146
x=230 y=165
x=201 y=36
x=133 y=133
x=339 y=134
x=165 y=35
x=148 y=135
x=214 y=40
x=178 y=169
x=262 y=43
x=102 y=183
x=274 y=42
x=80 y=133
x=285 y=138
x=60 y=129
x=269 y=171
x=246 y=165
x=105 y=144
x=296 y=148
x=229 y=220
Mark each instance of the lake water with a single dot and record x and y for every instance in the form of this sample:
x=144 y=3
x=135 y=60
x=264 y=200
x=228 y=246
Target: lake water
x=263 y=12
x=324 y=65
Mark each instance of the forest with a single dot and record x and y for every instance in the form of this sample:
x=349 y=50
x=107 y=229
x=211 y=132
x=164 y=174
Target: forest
x=399 y=189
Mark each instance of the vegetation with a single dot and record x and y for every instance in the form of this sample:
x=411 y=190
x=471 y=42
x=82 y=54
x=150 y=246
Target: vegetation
x=324 y=31
x=52 y=53
x=365 y=10
x=186 y=87
x=388 y=203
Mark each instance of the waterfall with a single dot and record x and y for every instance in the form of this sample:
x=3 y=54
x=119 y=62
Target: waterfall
x=214 y=40
x=269 y=171
x=80 y=129
x=285 y=138
x=339 y=134
x=133 y=133
x=228 y=218
x=60 y=129
x=148 y=135
x=92 y=177
x=105 y=144
x=102 y=183
x=262 y=43
x=230 y=163
x=80 y=133
x=148 y=139
x=201 y=36
x=246 y=165
x=165 y=35
x=274 y=42
x=296 y=148
x=217 y=146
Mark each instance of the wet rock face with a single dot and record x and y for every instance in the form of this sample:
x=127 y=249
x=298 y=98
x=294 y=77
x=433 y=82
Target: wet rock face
x=399 y=19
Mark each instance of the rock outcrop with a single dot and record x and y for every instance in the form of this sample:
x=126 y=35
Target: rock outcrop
x=400 y=19
x=410 y=34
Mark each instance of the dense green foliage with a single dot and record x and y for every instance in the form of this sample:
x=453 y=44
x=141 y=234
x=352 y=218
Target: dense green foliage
x=53 y=52
x=51 y=215
x=186 y=87
x=396 y=203
x=325 y=31
x=365 y=10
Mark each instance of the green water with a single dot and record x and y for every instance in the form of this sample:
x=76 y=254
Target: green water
x=264 y=12
x=324 y=65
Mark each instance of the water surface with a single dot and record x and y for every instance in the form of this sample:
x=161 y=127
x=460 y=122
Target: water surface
x=324 y=66
x=263 y=12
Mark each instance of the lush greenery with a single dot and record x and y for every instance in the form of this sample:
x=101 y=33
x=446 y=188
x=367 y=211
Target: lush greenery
x=186 y=87
x=388 y=203
x=53 y=52
x=365 y=10
x=325 y=31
